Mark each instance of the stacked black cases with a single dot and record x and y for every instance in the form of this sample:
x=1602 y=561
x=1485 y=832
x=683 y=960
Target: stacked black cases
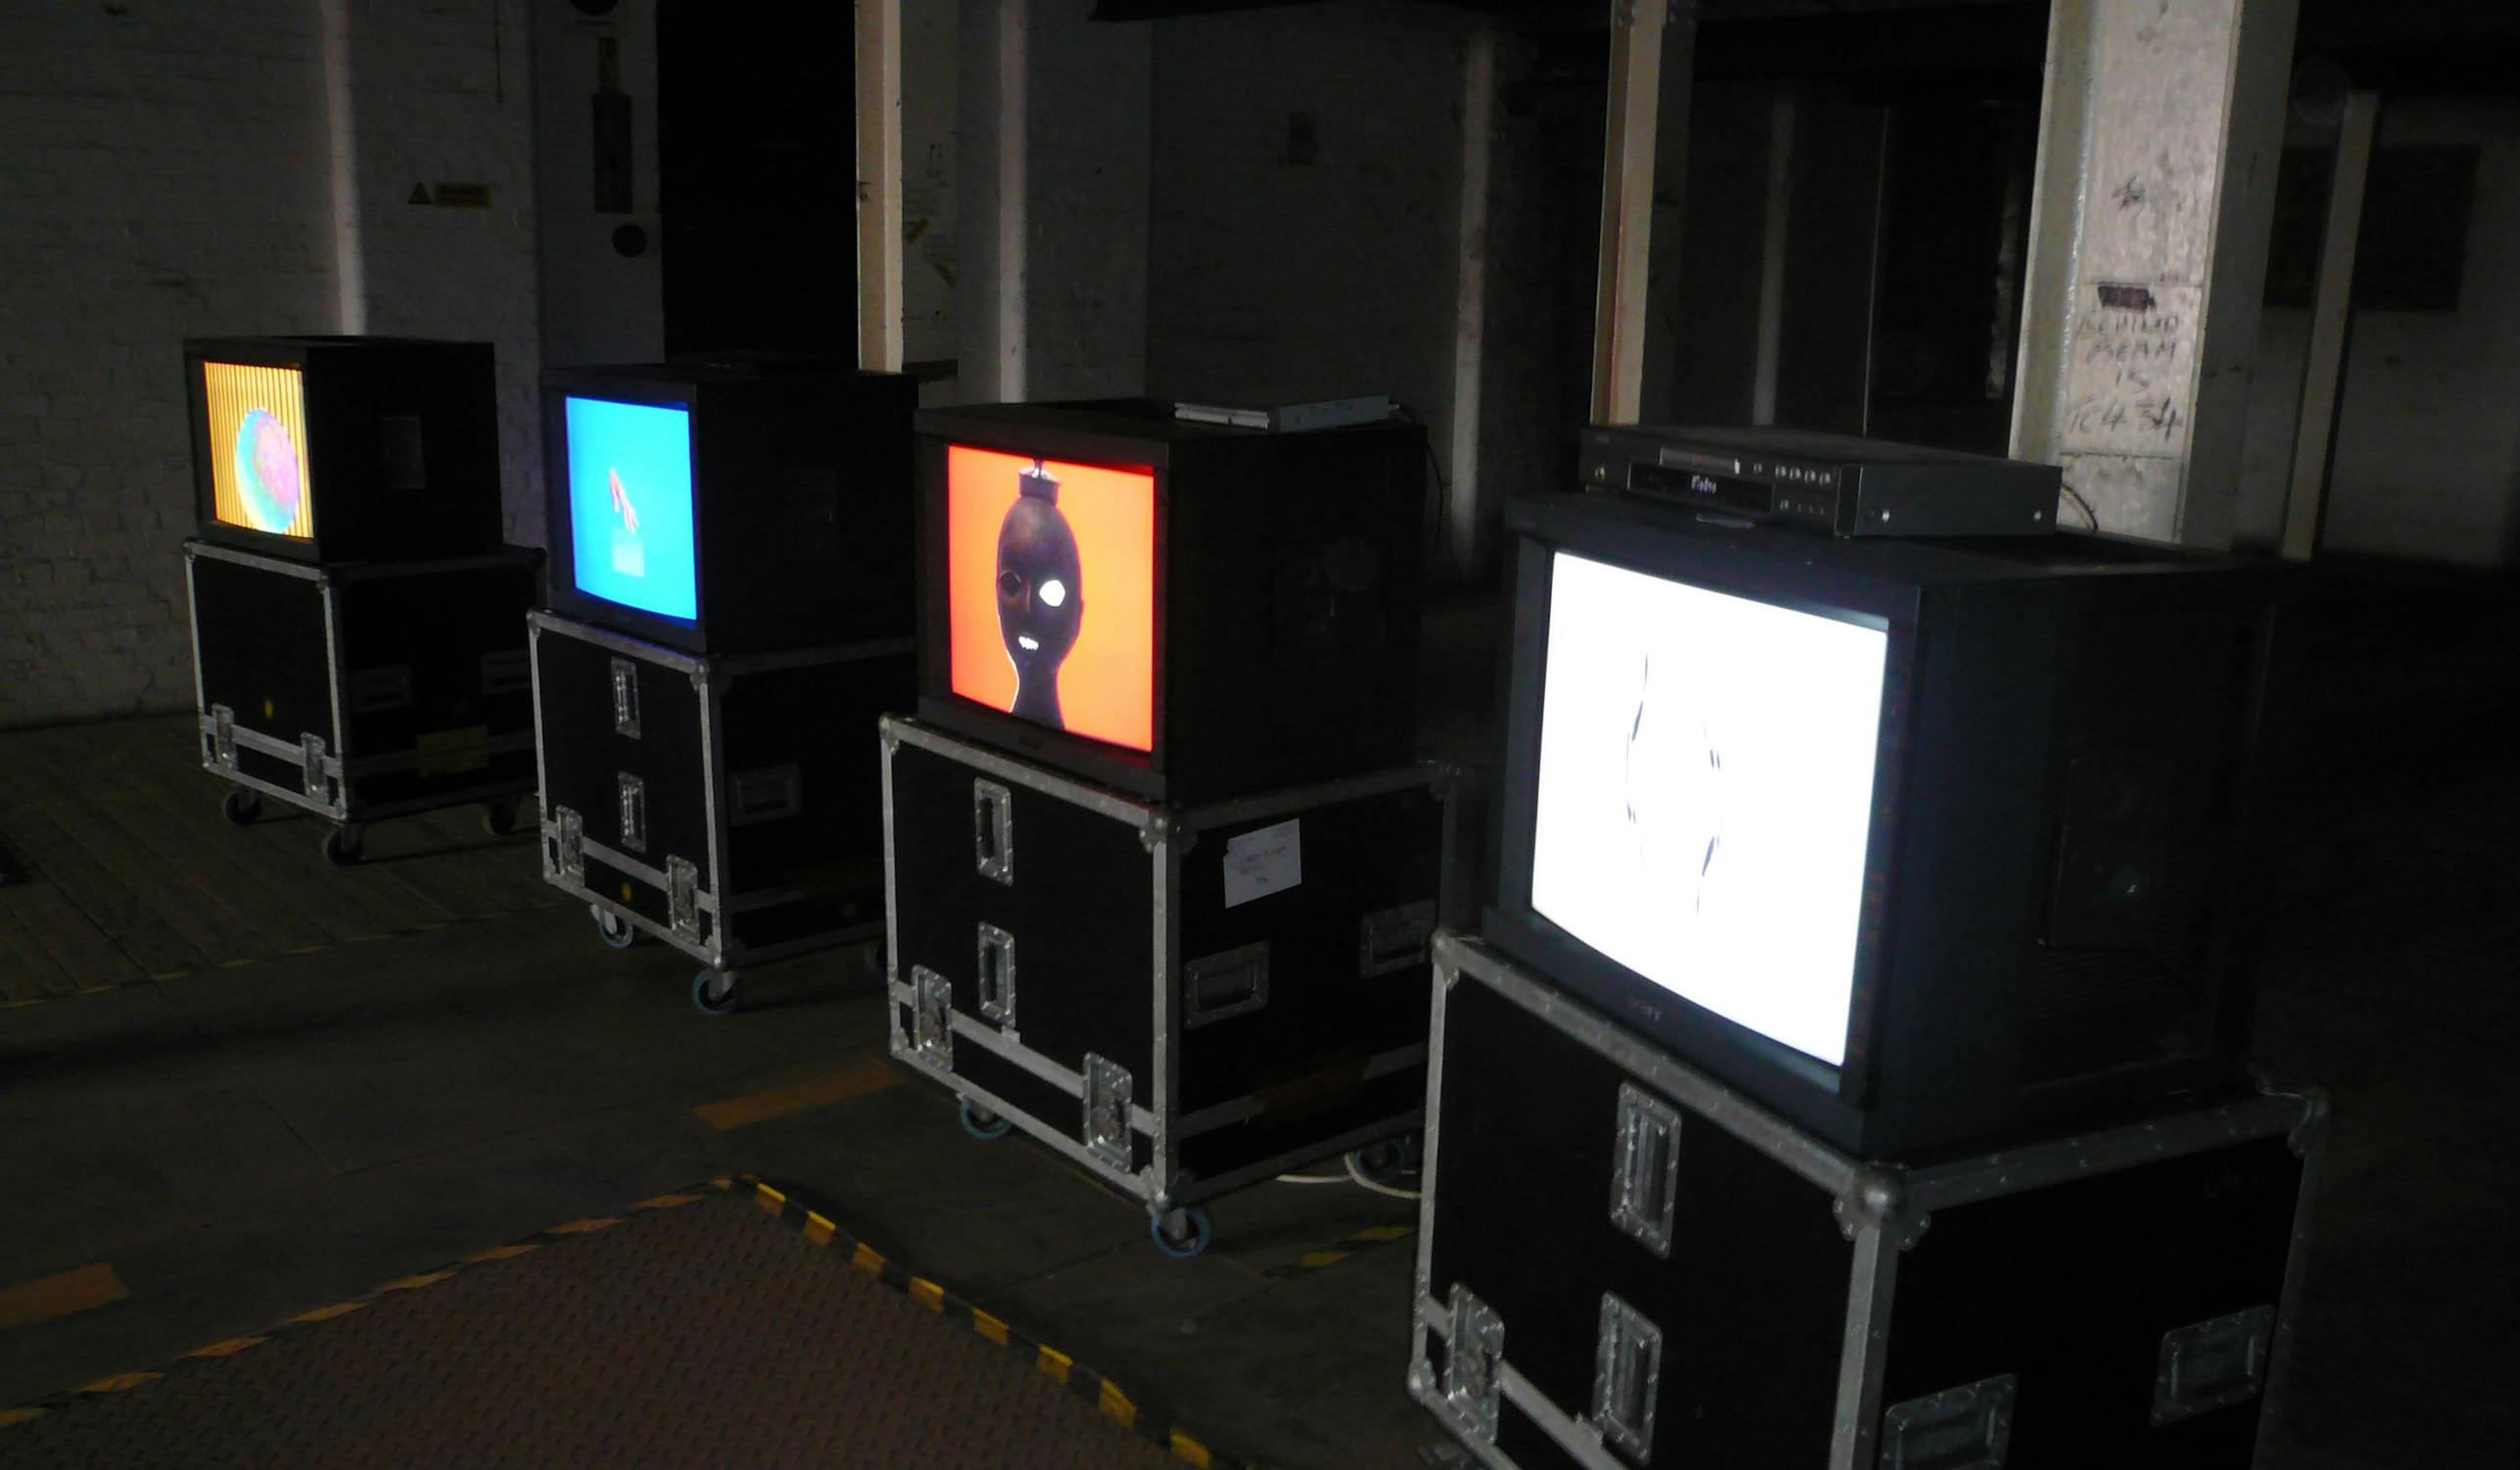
x=1181 y=1001
x=1623 y=1264
x=726 y=806
x=363 y=690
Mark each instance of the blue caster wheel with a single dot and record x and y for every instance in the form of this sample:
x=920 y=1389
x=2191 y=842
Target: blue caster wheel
x=1181 y=1232
x=713 y=992
x=981 y=1123
x=616 y=932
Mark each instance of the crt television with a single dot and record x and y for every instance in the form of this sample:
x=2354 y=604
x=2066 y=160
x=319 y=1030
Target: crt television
x=1918 y=843
x=1181 y=611
x=344 y=449
x=736 y=506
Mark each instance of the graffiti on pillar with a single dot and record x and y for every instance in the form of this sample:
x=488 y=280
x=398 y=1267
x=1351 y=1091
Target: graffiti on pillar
x=2130 y=379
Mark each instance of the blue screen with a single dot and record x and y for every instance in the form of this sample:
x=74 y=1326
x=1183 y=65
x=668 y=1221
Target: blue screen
x=629 y=505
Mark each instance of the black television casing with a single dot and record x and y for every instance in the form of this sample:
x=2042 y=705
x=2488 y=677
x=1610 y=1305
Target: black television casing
x=402 y=446
x=1286 y=594
x=801 y=502
x=2052 y=921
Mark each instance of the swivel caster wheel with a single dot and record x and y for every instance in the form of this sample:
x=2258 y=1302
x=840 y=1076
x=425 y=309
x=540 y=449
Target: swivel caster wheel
x=981 y=1123
x=713 y=992
x=616 y=932
x=499 y=818
x=1181 y=1232
x=343 y=845
x=240 y=805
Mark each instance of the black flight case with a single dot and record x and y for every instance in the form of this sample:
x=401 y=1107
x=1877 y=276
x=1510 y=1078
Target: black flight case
x=1182 y=1001
x=724 y=805
x=1621 y=1264
x=363 y=690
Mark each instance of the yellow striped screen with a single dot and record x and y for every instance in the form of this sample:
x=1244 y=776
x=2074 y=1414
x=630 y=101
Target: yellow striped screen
x=258 y=471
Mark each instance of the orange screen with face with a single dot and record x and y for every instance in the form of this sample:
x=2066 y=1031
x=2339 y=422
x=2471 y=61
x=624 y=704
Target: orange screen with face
x=1050 y=576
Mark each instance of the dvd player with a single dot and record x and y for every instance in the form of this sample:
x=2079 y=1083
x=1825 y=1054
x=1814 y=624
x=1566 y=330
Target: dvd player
x=1837 y=483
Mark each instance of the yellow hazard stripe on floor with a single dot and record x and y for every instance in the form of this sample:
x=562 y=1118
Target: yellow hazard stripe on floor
x=327 y=1313
x=98 y=1284
x=60 y=1295
x=1347 y=1246
x=798 y=1097
x=500 y=1253
x=1110 y=1398
x=249 y=961
x=119 y=1382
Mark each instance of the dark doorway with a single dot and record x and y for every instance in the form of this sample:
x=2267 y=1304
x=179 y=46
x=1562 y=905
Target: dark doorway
x=757 y=158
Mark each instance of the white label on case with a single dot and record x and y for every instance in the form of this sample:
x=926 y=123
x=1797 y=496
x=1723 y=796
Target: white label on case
x=1260 y=863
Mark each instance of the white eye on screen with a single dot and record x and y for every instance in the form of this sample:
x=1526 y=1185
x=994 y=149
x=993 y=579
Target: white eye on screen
x=1054 y=592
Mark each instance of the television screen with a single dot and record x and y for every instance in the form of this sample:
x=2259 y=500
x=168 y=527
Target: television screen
x=1050 y=570
x=257 y=467
x=1705 y=792
x=629 y=504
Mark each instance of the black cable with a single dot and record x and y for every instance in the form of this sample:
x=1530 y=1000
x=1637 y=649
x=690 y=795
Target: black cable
x=2088 y=512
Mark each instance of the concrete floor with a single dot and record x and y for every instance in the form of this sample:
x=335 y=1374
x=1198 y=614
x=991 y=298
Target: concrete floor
x=270 y=1132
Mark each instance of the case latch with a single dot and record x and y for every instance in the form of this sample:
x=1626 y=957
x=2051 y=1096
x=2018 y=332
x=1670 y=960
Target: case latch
x=386 y=686
x=2206 y=1365
x=568 y=850
x=997 y=960
x=765 y=795
x=1390 y=940
x=1958 y=1429
x=993 y=832
x=1475 y=1351
x=1627 y=1375
x=682 y=896
x=626 y=697
x=507 y=670
x=931 y=1018
x=1644 y=1183
x=1107 y=1089
x=1229 y=982
x=634 y=812
x=222 y=737
x=318 y=784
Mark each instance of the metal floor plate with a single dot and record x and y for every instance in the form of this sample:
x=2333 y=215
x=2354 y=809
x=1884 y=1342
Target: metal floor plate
x=695 y=1329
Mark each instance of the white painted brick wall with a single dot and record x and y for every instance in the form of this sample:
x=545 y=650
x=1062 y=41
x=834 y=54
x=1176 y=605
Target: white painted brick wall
x=443 y=92
x=165 y=173
x=1340 y=274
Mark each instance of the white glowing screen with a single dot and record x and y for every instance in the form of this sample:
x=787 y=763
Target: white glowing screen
x=1706 y=794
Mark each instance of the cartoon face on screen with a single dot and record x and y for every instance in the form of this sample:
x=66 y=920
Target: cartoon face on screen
x=1027 y=540
x=1041 y=598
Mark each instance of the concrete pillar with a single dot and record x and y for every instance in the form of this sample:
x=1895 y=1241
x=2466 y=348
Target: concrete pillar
x=2159 y=132
x=1056 y=139
x=879 y=186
